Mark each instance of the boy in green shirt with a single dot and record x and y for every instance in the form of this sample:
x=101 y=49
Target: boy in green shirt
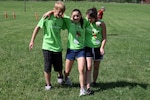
x=52 y=46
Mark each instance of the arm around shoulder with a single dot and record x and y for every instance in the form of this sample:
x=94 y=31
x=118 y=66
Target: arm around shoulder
x=48 y=14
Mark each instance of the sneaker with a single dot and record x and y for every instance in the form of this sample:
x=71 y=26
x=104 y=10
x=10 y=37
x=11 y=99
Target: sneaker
x=89 y=91
x=47 y=87
x=68 y=82
x=83 y=92
x=60 y=80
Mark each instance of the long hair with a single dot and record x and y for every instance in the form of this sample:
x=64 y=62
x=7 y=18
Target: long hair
x=92 y=12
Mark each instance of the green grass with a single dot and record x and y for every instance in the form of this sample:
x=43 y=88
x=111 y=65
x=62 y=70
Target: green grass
x=124 y=72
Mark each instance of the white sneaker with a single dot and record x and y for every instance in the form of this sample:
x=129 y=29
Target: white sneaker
x=68 y=82
x=83 y=92
x=48 y=87
x=60 y=80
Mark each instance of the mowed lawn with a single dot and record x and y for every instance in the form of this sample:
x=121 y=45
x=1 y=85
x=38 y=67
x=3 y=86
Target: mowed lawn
x=125 y=69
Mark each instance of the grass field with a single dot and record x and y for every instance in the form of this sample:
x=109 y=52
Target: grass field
x=125 y=70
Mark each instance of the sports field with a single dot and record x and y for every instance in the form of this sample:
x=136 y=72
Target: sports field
x=125 y=69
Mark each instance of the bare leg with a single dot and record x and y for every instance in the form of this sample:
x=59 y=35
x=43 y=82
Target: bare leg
x=60 y=74
x=96 y=70
x=68 y=67
x=47 y=78
x=81 y=63
x=88 y=71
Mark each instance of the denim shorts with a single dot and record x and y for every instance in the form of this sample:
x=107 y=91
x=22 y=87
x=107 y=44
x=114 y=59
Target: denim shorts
x=72 y=54
x=94 y=53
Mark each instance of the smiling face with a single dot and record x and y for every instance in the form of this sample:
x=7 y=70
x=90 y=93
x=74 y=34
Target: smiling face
x=58 y=13
x=76 y=16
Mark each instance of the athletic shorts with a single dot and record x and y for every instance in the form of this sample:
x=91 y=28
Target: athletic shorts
x=52 y=58
x=94 y=53
x=72 y=54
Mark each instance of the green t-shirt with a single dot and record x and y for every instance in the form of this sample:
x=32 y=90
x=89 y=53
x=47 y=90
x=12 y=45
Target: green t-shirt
x=93 y=36
x=76 y=34
x=52 y=27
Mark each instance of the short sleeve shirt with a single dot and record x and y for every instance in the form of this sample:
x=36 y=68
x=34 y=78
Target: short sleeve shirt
x=93 y=36
x=52 y=27
x=76 y=34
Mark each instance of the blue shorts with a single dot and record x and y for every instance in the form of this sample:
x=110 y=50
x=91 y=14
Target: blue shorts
x=93 y=52
x=72 y=54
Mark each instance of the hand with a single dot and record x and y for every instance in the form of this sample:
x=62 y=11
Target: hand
x=98 y=23
x=46 y=15
x=31 y=45
x=102 y=51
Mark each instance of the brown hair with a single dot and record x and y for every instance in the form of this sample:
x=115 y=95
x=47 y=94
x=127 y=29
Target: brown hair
x=81 y=20
x=92 y=12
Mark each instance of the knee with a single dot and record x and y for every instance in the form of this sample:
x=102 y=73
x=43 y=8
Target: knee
x=89 y=68
x=47 y=69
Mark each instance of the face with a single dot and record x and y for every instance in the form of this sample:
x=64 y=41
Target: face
x=76 y=16
x=103 y=9
x=58 y=13
x=91 y=19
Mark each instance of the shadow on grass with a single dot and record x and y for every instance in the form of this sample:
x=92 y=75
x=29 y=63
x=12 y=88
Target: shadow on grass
x=66 y=86
x=112 y=34
x=110 y=85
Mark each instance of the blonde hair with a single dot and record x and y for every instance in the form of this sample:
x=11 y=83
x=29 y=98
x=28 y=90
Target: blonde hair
x=103 y=8
x=60 y=5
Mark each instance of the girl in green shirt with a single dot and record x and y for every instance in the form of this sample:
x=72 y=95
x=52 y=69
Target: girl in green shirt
x=75 y=47
x=95 y=41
